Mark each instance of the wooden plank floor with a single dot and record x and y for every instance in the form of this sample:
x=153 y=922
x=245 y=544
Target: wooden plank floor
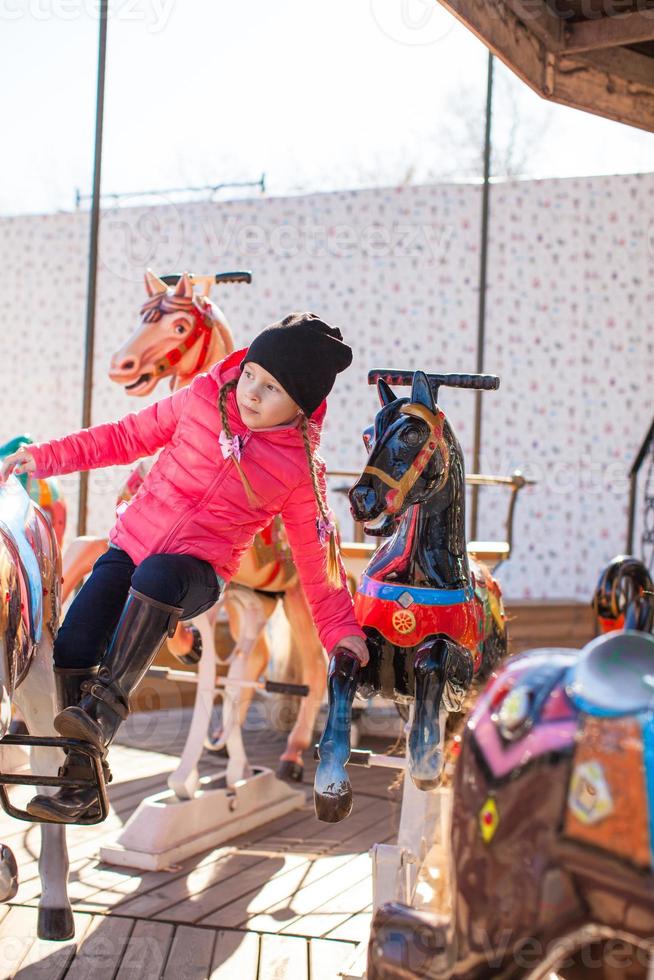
x=291 y=899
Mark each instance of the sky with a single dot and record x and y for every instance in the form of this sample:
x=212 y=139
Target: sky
x=317 y=95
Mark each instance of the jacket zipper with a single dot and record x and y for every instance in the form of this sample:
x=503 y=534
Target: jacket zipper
x=215 y=483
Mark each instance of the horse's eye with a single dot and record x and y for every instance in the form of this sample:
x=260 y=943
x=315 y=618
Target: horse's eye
x=367 y=439
x=180 y=328
x=412 y=436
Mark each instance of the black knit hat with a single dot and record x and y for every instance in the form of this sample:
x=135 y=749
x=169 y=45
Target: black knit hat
x=304 y=354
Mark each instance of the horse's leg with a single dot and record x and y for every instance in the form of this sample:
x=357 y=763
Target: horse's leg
x=314 y=673
x=8 y=874
x=185 y=779
x=247 y=617
x=443 y=673
x=332 y=795
x=77 y=561
x=36 y=699
x=237 y=766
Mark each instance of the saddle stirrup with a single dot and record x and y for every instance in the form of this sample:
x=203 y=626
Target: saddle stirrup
x=70 y=802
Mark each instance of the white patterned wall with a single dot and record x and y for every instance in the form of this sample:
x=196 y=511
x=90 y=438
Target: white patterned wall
x=569 y=330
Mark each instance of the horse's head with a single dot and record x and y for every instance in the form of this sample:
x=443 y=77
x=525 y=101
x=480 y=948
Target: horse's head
x=409 y=456
x=180 y=333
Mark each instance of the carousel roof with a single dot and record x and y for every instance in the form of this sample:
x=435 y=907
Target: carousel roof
x=596 y=55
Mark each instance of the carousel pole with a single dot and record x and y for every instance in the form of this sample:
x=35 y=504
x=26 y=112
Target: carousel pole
x=93 y=260
x=481 y=317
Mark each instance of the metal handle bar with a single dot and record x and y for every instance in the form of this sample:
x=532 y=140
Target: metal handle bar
x=271 y=687
x=219 y=277
x=365 y=758
x=478 y=382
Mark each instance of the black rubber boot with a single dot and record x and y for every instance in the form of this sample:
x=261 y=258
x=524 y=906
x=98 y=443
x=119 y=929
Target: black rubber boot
x=143 y=626
x=69 y=802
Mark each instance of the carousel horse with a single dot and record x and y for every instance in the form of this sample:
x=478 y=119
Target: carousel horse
x=433 y=618
x=45 y=493
x=552 y=838
x=180 y=335
x=30 y=571
x=624 y=596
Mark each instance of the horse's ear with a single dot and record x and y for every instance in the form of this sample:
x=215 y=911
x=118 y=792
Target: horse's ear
x=421 y=393
x=385 y=392
x=153 y=284
x=184 y=287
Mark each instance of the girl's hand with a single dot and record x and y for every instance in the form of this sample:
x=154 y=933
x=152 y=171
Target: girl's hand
x=355 y=645
x=19 y=462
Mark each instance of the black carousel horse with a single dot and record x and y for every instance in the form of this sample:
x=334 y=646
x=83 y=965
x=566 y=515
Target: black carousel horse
x=433 y=618
x=624 y=596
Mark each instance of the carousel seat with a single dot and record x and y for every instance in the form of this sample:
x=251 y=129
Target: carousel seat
x=491 y=553
x=614 y=675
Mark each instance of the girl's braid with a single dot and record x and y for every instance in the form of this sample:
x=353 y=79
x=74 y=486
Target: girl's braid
x=333 y=564
x=222 y=405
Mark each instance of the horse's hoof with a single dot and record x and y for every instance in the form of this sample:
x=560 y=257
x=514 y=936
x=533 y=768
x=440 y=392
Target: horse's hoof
x=333 y=807
x=425 y=784
x=8 y=874
x=194 y=655
x=429 y=774
x=55 y=924
x=290 y=772
x=213 y=744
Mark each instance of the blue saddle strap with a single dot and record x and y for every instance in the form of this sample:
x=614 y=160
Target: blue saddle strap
x=421 y=596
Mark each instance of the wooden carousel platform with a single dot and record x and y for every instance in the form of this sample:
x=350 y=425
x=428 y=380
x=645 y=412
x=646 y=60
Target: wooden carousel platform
x=289 y=900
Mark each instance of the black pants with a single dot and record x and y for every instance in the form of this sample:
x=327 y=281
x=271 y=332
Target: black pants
x=177 y=580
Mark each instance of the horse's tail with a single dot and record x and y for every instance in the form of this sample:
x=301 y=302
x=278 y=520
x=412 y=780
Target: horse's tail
x=624 y=596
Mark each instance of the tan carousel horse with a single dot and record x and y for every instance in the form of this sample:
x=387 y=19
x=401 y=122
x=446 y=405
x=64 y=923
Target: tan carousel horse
x=180 y=335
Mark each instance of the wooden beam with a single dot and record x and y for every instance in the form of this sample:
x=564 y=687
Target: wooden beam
x=539 y=18
x=620 y=62
x=574 y=82
x=609 y=32
x=584 y=86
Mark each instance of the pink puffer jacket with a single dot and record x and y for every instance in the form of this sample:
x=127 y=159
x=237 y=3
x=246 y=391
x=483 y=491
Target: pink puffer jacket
x=193 y=502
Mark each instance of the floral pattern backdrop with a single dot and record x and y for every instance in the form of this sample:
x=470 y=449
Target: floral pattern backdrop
x=569 y=330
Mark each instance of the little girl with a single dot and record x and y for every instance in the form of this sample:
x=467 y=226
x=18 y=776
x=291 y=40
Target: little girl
x=239 y=446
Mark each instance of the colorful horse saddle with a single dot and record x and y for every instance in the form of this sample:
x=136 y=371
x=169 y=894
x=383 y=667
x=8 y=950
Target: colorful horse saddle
x=16 y=518
x=406 y=614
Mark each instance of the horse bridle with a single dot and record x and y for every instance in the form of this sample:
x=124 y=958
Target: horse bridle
x=201 y=331
x=435 y=422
